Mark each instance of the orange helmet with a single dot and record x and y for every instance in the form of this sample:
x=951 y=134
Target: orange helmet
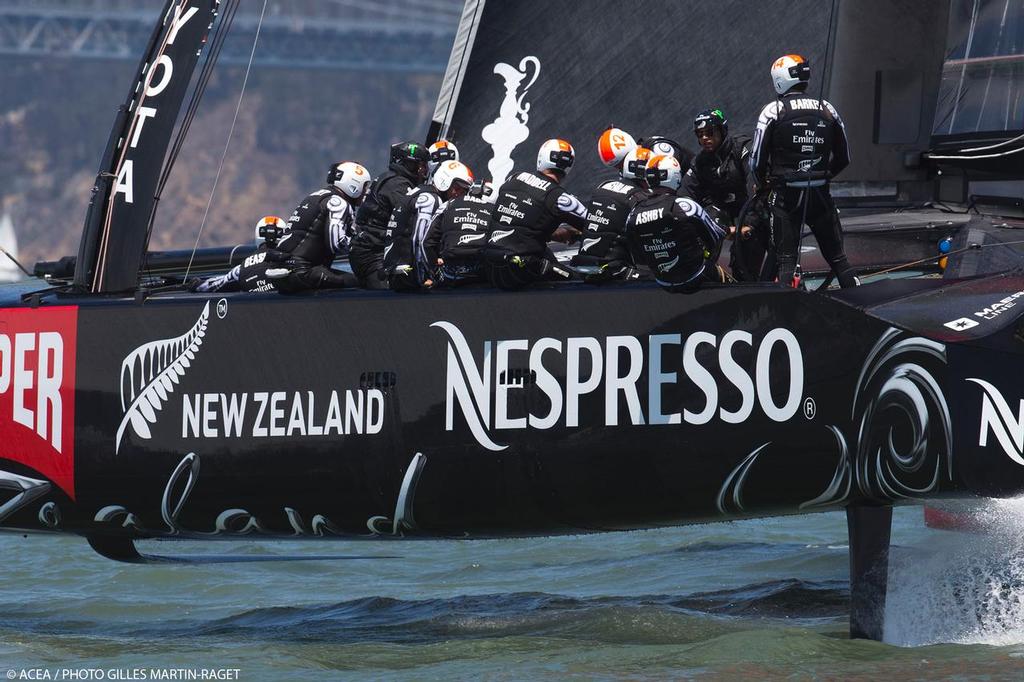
x=664 y=171
x=556 y=155
x=613 y=145
x=790 y=72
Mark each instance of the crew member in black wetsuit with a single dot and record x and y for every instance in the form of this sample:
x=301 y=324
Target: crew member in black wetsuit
x=673 y=235
x=250 y=274
x=407 y=170
x=458 y=234
x=528 y=210
x=406 y=262
x=799 y=146
x=718 y=180
x=604 y=241
x=321 y=230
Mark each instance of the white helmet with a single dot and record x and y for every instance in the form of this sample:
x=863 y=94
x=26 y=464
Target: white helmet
x=613 y=145
x=635 y=164
x=557 y=155
x=441 y=151
x=664 y=171
x=351 y=178
x=790 y=72
x=450 y=173
x=270 y=229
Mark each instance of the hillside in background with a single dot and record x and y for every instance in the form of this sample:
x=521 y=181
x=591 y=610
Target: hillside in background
x=57 y=113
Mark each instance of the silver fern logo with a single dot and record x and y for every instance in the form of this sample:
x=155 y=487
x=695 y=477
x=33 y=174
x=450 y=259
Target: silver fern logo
x=150 y=373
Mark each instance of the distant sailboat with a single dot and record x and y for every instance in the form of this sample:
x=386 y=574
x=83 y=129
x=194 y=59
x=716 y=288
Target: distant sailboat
x=9 y=272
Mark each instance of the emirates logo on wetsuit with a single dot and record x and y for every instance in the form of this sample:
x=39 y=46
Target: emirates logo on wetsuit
x=37 y=391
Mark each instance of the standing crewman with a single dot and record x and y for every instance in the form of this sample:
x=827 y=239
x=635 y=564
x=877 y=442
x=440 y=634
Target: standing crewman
x=799 y=146
x=604 y=241
x=321 y=230
x=672 y=235
x=528 y=210
x=406 y=263
x=718 y=180
x=406 y=171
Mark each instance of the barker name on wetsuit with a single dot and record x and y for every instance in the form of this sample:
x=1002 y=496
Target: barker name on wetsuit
x=251 y=273
x=321 y=229
x=528 y=210
x=800 y=144
x=673 y=235
x=604 y=241
x=458 y=234
x=718 y=180
x=406 y=261
x=407 y=170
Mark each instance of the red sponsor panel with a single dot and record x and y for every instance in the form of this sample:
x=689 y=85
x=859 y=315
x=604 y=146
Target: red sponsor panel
x=37 y=391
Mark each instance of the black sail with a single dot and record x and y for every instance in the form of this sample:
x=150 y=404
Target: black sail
x=116 y=231
x=525 y=71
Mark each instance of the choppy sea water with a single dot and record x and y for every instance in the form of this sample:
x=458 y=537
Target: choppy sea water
x=753 y=599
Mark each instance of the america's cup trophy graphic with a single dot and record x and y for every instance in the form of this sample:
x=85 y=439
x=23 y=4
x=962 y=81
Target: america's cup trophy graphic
x=509 y=130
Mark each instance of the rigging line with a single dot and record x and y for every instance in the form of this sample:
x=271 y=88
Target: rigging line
x=963 y=71
x=992 y=146
x=216 y=44
x=15 y=261
x=219 y=35
x=806 y=194
x=978 y=156
x=227 y=144
x=142 y=90
x=930 y=259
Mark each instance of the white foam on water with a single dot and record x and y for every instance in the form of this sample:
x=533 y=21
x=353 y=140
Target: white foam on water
x=961 y=587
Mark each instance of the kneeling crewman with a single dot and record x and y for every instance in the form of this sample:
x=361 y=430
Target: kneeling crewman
x=528 y=210
x=406 y=262
x=672 y=235
x=321 y=230
x=457 y=236
x=407 y=170
x=251 y=273
x=604 y=242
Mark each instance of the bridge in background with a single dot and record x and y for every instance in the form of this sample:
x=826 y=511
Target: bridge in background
x=371 y=35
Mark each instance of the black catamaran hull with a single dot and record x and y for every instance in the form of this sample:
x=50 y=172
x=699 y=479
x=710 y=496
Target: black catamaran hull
x=460 y=414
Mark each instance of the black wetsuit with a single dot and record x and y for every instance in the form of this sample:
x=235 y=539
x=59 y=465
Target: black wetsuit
x=719 y=182
x=801 y=144
x=249 y=275
x=405 y=261
x=529 y=208
x=456 y=236
x=674 y=237
x=604 y=240
x=320 y=231
x=367 y=252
